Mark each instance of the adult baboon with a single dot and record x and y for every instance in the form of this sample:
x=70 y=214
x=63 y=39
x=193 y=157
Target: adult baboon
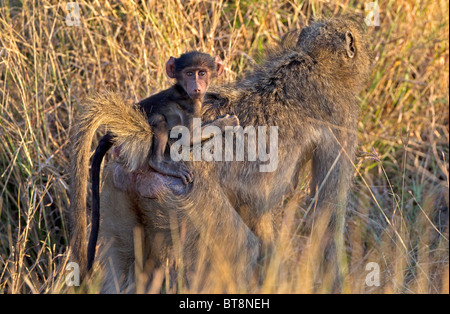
x=308 y=89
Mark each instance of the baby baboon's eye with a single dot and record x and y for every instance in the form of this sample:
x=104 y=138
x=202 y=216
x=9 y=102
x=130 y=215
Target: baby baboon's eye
x=201 y=73
x=189 y=73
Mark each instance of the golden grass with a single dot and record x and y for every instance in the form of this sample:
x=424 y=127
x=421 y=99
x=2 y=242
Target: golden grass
x=399 y=212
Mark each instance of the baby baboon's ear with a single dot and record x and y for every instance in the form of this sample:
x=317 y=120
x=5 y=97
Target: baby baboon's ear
x=219 y=65
x=350 y=44
x=170 y=67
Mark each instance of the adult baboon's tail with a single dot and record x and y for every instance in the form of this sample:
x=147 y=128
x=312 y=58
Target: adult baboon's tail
x=132 y=132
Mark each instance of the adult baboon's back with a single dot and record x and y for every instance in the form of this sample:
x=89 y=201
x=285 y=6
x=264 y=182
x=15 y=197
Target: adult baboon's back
x=308 y=90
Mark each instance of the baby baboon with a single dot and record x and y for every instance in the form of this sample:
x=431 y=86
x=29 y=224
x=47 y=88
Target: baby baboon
x=178 y=105
x=308 y=89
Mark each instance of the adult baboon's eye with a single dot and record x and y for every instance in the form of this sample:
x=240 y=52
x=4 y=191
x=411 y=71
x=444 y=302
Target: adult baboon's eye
x=189 y=73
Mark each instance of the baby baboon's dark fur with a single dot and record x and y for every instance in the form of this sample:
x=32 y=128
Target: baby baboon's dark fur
x=308 y=89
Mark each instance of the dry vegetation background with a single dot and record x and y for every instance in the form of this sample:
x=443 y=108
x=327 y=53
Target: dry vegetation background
x=399 y=209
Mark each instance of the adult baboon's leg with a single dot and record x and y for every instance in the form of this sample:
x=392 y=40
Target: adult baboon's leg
x=332 y=173
x=118 y=222
x=214 y=234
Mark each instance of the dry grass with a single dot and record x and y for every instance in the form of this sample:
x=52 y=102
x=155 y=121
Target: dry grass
x=399 y=215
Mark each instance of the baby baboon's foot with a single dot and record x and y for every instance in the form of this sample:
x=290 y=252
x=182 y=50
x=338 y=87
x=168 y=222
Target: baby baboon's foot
x=173 y=168
x=148 y=184
x=153 y=184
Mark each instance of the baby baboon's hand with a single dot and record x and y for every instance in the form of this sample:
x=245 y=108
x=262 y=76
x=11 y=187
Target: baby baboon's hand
x=231 y=120
x=227 y=120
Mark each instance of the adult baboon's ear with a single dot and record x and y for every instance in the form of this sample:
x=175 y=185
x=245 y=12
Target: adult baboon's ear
x=350 y=44
x=219 y=65
x=170 y=67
